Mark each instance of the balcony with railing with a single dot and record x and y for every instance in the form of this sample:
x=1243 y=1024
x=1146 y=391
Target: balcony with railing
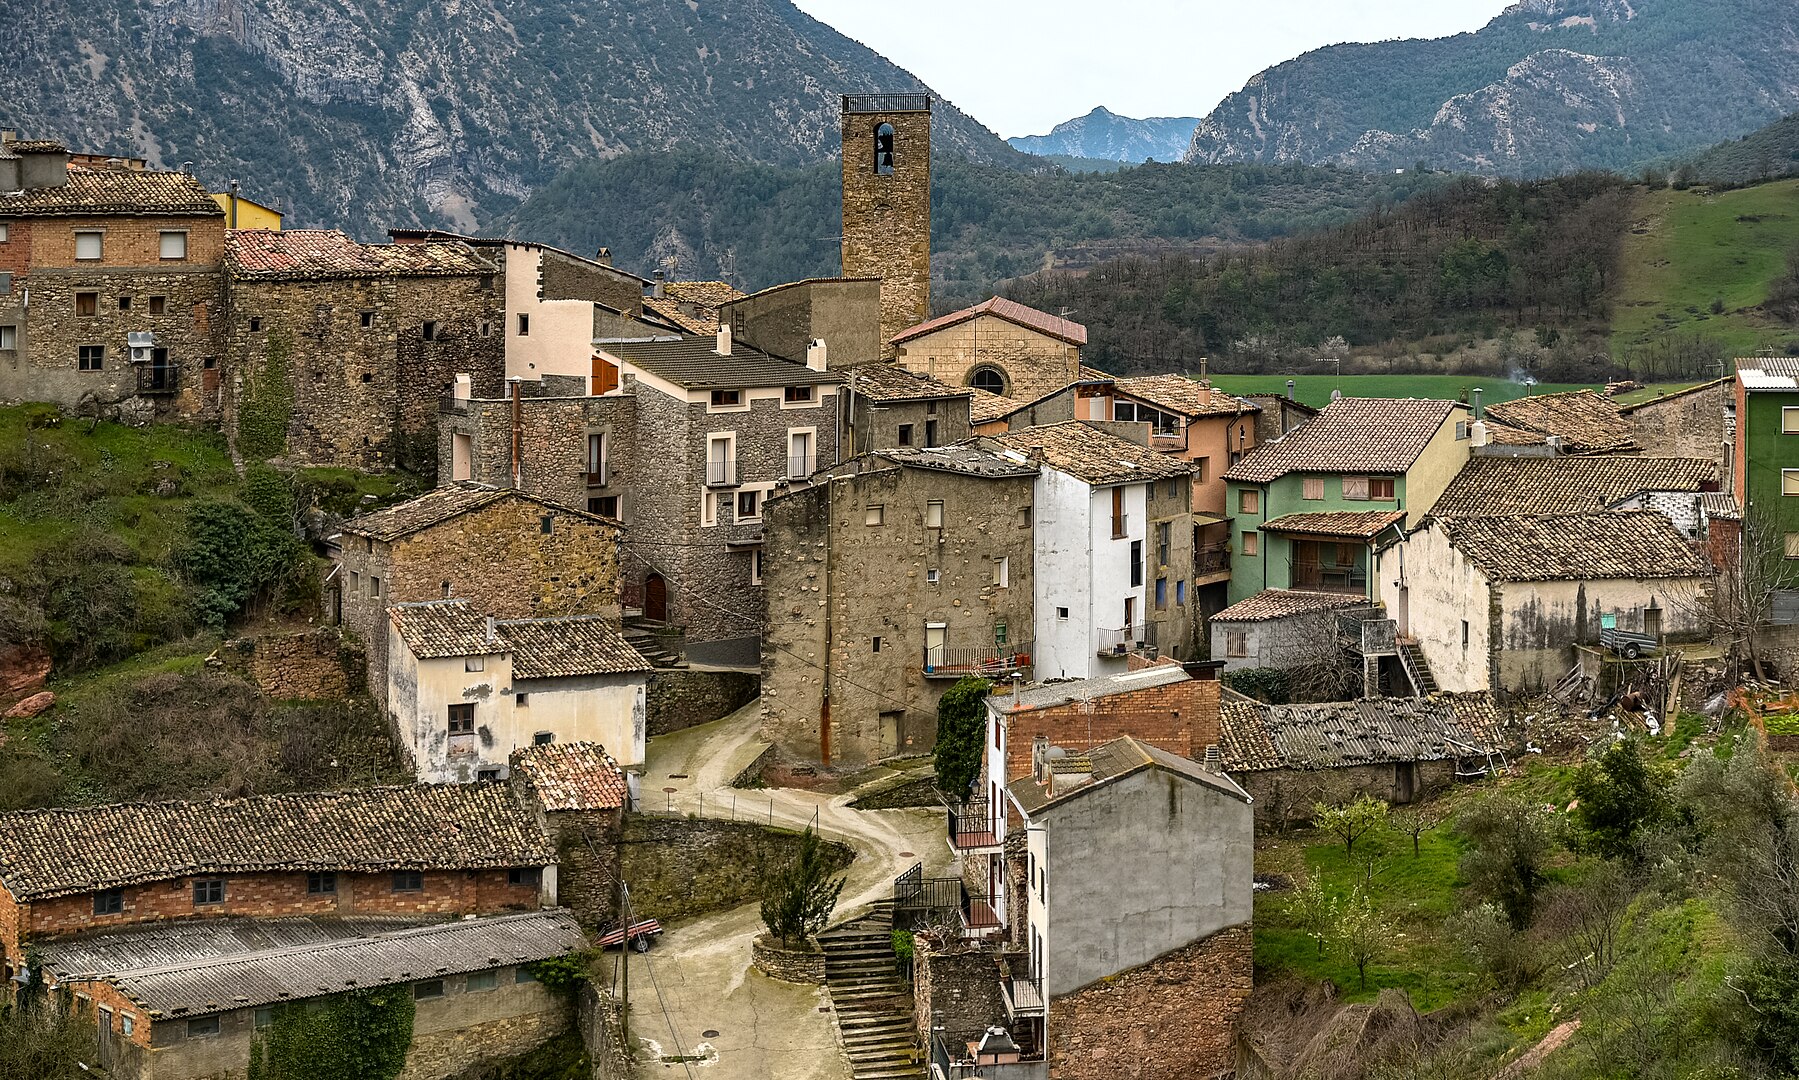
x=990 y=661
x=920 y=902
x=452 y=405
x=1124 y=640
x=157 y=379
x=1021 y=987
x=974 y=825
x=721 y=472
x=800 y=466
x=1212 y=559
x=1313 y=575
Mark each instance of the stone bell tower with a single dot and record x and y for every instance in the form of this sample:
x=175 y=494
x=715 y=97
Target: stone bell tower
x=887 y=203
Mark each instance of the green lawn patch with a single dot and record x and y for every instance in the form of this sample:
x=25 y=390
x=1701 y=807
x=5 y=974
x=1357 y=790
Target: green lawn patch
x=1315 y=390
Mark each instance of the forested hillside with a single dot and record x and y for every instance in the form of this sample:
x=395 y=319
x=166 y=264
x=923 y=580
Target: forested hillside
x=698 y=215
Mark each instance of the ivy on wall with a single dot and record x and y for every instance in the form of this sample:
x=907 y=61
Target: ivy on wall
x=267 y=404
x=360 y=1035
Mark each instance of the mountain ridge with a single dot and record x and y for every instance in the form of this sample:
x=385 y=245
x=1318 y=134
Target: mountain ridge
x=1104 y=135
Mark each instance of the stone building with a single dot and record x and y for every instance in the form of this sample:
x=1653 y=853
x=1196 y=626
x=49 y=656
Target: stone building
x=1697 y=422
x=785 y=321
x=888 y=406
x=887 y=204
x=889 y=578
x=121 y=269
x=1280 y=414
x=339 y=353
x=1134 y=943
x=1498 y=603
x=1534 y=486
x=466 y=690
x=510 y=554
x=1115 y=519
x=1280 y=628
x=1000 y=346
x=1577 y=422
x=580 y=795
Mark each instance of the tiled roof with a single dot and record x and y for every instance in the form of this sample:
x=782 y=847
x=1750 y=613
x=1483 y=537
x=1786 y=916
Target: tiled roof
x=1496 y=486
x=1281 y=603
x=328 y=253
x=890 y=382
x=1589 y=422
x=1112 y=761
x=1351 y=435
x=572 y=776
x=706 y=294
x=569 y=646
x=1721 y=505
x=105 y=193
x=1091 y=455
x=442 y=628
x=46 y=853
x=1255 y=737
x=1500 y=435
x=1011 y=311
x=1353 y=524
x=670 y=311
x=961 y=458
x=36 y=146
x=1633 y=544
x=692 y=362
x=440 y=505
x=1066 y=692
x=1189 y=397
x=987 y=406
x=208 y=983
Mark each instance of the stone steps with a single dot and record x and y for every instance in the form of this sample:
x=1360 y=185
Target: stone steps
x=872 y=1006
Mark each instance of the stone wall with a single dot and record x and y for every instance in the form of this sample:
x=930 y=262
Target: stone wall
x=887 y=219
x=319 y=664
x=1032 y=364
x=1683 y=425
x=1174 y=1018
x=306 y=380
x=1285 y=796
x=859 y=598
x=680 y=867
x=934 y=422
x=553 y=433
x=682 y=699
x=799 y=962
x=455 y=1034
x=956 y=987
x=587 y=859
x=784 y=320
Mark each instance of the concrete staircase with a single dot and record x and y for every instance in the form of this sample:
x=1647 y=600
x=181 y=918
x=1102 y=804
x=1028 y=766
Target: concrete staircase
x=873 y=1006
x=642 y=635
x=1417 y=669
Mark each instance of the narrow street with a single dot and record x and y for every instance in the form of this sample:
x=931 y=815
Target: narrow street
x=733 y=1021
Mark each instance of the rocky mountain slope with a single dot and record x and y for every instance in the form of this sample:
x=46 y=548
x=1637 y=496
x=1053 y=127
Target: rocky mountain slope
x=1547 y=86
x=1106 y=136
x=1763 y=154
x=382 y=112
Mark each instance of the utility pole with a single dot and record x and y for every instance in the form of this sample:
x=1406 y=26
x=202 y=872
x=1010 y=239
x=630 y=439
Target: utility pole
x=624 y=966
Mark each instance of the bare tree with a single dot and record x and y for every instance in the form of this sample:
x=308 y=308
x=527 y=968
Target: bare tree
x=1753 y=568
x=1587 y=919
x=1318 y=667
x=1414 y=821
x=1362 y=932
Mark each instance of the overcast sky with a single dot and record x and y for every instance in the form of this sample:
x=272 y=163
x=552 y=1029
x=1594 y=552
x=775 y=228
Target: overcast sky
x=1023 y=66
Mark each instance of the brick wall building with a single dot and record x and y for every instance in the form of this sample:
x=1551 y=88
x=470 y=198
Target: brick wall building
x=106 y=258
x=508 y=553
x=580 y=795
x=890 y=578
x=339 y=353
x=887 y=204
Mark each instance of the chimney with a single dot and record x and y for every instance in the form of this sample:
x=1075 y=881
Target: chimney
x=815 y=355
x=233 y=186
x=1474 y=401
x=1040 y=758
x=658 y=280
x=724 y=342
x=604 y=258
x=490 y=629
x=1214 y=759
x=7 y=135
x=1289 y=389
x=1477 y=434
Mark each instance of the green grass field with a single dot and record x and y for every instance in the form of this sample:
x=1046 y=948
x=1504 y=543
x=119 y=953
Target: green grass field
x=1316 y=389
x=1691 y=249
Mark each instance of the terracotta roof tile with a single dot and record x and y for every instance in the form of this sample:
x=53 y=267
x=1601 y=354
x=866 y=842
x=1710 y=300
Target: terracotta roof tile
x=1093 y=456
x=1353 y=524
x=964 y=458
x=328 y=253
x=1352 y=435
x=1670 y=395
x=440 y=505
x=105 y=193
x=1721 y=505
x=890 y=382
x=438 y=629
x=572 y=776
x=1496 y=486
x=1590 y=423
x=1188 y=397
x=1282 y=603
x=987 y=406
x=1637 y=544
x=670 y=310
x=1011 y=311
x=46 y=853
x=569 y=646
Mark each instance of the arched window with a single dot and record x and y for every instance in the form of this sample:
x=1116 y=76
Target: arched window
x=884 y=150
x=990 y=379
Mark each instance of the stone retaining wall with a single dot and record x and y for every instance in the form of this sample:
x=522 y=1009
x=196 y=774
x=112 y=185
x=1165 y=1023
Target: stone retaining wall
x=680 y=867
x=795 y=964
x=677 y=700
x=319 y=664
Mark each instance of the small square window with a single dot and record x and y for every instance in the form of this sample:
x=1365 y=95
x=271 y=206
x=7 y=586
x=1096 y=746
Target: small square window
x=749 y=505
x=1252 y=544
x=1062 y=614
x=725 y=399
x=255 y=324
x=524 y=875
x=1236 y=643
x=933 y=514
x=543 y=524
x=877 y=645
x=368 y=319
x=522 y=974
x=481 y=980
x=1312 y=488
x=795 y=395
x=487 y=776
x=1789 y=481
x=1792 y=545
x=109 y=901
x=265 y=1019
x=521 y=700
x=409 y=881
x=9 y=337
x=89 y=245
x=428 y=331
x=124 y=303
x=462 y=718
x=474 y=663
x=3 y=233
x=374 y=585
x=604 y=505
x=930 y=577
x=172 y=245
x=543 y=738
x=1380 y=487
x=905 y=434
x=1789 y=419
x=756 y=567
x=431 y=988
x=1024 y=517
x=524 y=324
x=1464 y=633
x=1249 y=502
x=321 y=884
x=201 y=1027
x=87 y=303
x=1002 y=571
x=486 y=328
x=127 y=1024
x=160 y=305
x=5 y=282
x=209 y=891
x=874 y=515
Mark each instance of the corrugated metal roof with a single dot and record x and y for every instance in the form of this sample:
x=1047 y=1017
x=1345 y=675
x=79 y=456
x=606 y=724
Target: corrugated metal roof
x=1257 y=737
x=1050 y=695
x=202 y=985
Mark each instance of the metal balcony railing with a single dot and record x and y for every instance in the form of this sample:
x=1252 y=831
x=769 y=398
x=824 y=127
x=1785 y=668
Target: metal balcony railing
x=973 y=825
x=455 y=406
x=1121 y=641
x=1212 y=560
x=955 y=661
x=880 y=103
x=721 y=473
x=800 y=466
x=157 y=379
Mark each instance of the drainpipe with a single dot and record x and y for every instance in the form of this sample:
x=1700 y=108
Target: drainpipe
x=518 y=424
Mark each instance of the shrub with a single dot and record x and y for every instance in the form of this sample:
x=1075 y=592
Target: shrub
x=961 y=736
x=233 y=556
x=1271 y=685
x=1620 y=795
x=1507 y=957
x=1510 y=841
x=797 y=900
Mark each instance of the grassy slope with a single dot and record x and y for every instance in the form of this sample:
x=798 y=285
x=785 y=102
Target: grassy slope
x=1316 y=389
x=1693 y=247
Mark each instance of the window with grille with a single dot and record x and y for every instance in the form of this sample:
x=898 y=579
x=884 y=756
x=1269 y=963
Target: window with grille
x=462 y=719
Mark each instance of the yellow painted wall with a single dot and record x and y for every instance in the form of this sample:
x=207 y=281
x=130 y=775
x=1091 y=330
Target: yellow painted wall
x=1442 y=459
x=250 y=215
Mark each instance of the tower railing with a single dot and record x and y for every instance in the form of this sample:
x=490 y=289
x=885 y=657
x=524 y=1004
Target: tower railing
x=881 y=103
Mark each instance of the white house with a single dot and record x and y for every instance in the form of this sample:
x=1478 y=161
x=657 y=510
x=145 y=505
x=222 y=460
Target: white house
x=1096 y=498
x=464 y=690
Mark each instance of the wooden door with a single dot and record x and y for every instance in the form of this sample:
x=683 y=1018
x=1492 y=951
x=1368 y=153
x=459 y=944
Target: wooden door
x=655 y=598
x=605 y=376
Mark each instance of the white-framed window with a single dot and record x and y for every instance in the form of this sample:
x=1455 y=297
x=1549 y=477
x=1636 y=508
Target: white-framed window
x=1002 y=571
x=596 y=459
x=749 y=505
x=799 y=395
x=3 y=235
x=1789 y=481
x=932 y=576
x=1062 y=614
x=1789 y=419
x=874 y=515
x=708 y=508
x=171 y=244
x=90 y=246
x=721 y=459
x=933 y=514
x=474 y=663
x=726 y=400
x=802 y=452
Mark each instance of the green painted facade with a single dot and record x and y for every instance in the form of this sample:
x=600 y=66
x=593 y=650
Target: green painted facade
x=1764 y=450
x=1273 y=567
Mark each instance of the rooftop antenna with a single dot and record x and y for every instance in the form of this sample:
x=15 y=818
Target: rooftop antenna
x=1337 y=370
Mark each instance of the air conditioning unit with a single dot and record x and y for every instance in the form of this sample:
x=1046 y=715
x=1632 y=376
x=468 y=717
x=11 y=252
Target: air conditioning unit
x=141 y=343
